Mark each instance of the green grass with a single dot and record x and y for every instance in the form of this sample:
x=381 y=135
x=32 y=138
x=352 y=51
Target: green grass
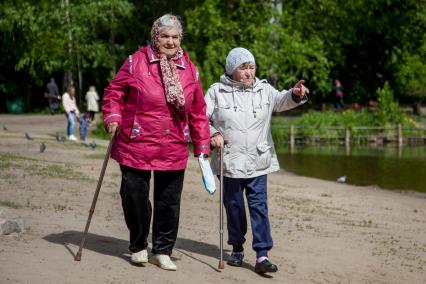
x=59 y=207
x=5 y=164
x=34 y=167
x=95 y=156
x=7 y=157
x=10 y=204
x=57 y=171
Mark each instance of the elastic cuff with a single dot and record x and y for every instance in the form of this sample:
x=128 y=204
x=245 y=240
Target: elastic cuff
x=295 y=97
x=215 y=134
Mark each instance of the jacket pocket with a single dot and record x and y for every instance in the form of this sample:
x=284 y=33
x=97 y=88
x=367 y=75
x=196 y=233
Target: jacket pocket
x=135 y=131
x=222 y=111
x=230 y=159
x=186 y=134
x=264 y=156
x=261 y=110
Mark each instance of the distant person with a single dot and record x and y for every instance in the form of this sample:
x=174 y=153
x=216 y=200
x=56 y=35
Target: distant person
x=52 y=95
x=84 y=125
x=337 y=95
x=92 y=99
x=71 y=111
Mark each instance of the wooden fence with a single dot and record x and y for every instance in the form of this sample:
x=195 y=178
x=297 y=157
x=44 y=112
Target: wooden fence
x=361 y=134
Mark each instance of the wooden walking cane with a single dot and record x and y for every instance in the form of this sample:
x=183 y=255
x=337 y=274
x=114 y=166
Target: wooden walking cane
x=221 y=262
x=95 y=198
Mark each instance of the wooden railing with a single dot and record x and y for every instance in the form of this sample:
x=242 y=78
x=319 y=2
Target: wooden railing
x=348 y=135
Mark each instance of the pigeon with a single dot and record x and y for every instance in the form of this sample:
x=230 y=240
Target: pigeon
x=341 y=179
x=60 y=138
x=42 y=147
x=92 y=145
x=28 y=136
x=4 y=127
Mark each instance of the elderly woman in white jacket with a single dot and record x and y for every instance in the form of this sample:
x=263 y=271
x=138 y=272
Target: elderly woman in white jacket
x=239 y=108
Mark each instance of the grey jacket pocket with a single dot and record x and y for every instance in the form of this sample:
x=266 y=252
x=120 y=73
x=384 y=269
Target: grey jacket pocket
x=264 y=156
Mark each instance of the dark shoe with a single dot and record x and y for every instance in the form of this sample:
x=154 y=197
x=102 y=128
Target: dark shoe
x=265 y=266
x=236 y=259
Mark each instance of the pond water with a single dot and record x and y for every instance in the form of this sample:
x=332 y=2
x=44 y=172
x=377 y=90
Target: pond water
x=389 y=167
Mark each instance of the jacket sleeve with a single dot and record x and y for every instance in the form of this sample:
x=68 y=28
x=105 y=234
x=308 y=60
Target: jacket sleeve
x=113 y=99
x=65 y=103
x=285 y=100
x=210 y=102
x=198 y=122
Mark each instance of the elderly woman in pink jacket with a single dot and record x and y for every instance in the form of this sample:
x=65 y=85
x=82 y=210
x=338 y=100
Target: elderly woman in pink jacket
x=155 y=107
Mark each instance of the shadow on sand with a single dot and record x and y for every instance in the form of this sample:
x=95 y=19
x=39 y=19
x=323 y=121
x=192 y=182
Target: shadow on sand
x=118 y=247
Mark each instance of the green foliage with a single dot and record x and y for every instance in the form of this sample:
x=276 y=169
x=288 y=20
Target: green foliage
x=314 y=123
x=349 y=118
x=42 y=41
x=362 y=43
x=411 y=73
x=99 y=130
x=282 y=55
x=363 y=40
x=388 y=111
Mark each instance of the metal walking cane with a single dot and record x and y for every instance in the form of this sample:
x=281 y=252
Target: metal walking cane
x=221 y=262
x=95 y=198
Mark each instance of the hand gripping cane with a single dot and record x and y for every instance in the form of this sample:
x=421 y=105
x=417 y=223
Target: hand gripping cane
x=221 y=262
x=95 y=198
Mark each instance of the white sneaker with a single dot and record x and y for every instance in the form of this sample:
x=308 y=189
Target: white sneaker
x=163 y=261
x=72 y=138
x=140 y=257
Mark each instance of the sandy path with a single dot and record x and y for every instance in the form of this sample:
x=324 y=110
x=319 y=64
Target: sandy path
x=323 y=232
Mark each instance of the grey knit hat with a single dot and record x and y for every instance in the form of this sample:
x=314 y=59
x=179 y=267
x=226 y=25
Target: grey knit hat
x=236 y=57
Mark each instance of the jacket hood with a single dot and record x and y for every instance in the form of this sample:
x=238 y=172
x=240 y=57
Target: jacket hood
x=227 y=84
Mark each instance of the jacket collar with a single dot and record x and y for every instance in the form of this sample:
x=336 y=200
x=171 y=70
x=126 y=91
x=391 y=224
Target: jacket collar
x=153 y=58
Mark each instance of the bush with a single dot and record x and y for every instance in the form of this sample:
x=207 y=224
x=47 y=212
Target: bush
x=388 y=111
x=99 y=130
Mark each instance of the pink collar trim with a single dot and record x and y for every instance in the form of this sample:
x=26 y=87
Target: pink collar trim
x=152 y=57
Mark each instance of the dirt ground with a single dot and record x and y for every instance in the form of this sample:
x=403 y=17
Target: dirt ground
x=323 y=232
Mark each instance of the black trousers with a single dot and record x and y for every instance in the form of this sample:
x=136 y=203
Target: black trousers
x=91 y=115
x=138 y=210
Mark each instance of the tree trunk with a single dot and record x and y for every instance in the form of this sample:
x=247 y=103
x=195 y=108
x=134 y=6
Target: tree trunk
x=417 y=108
x=80 y=82
x=68 y=78
x=112 y=50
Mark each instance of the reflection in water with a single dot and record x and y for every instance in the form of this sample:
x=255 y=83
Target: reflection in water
x=389 y=167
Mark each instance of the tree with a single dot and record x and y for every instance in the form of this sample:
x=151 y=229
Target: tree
x=282 y=55
x=52 y=38
x=365 y=41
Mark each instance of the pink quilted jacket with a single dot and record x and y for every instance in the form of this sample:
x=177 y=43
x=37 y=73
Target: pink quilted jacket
x=149 y=137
